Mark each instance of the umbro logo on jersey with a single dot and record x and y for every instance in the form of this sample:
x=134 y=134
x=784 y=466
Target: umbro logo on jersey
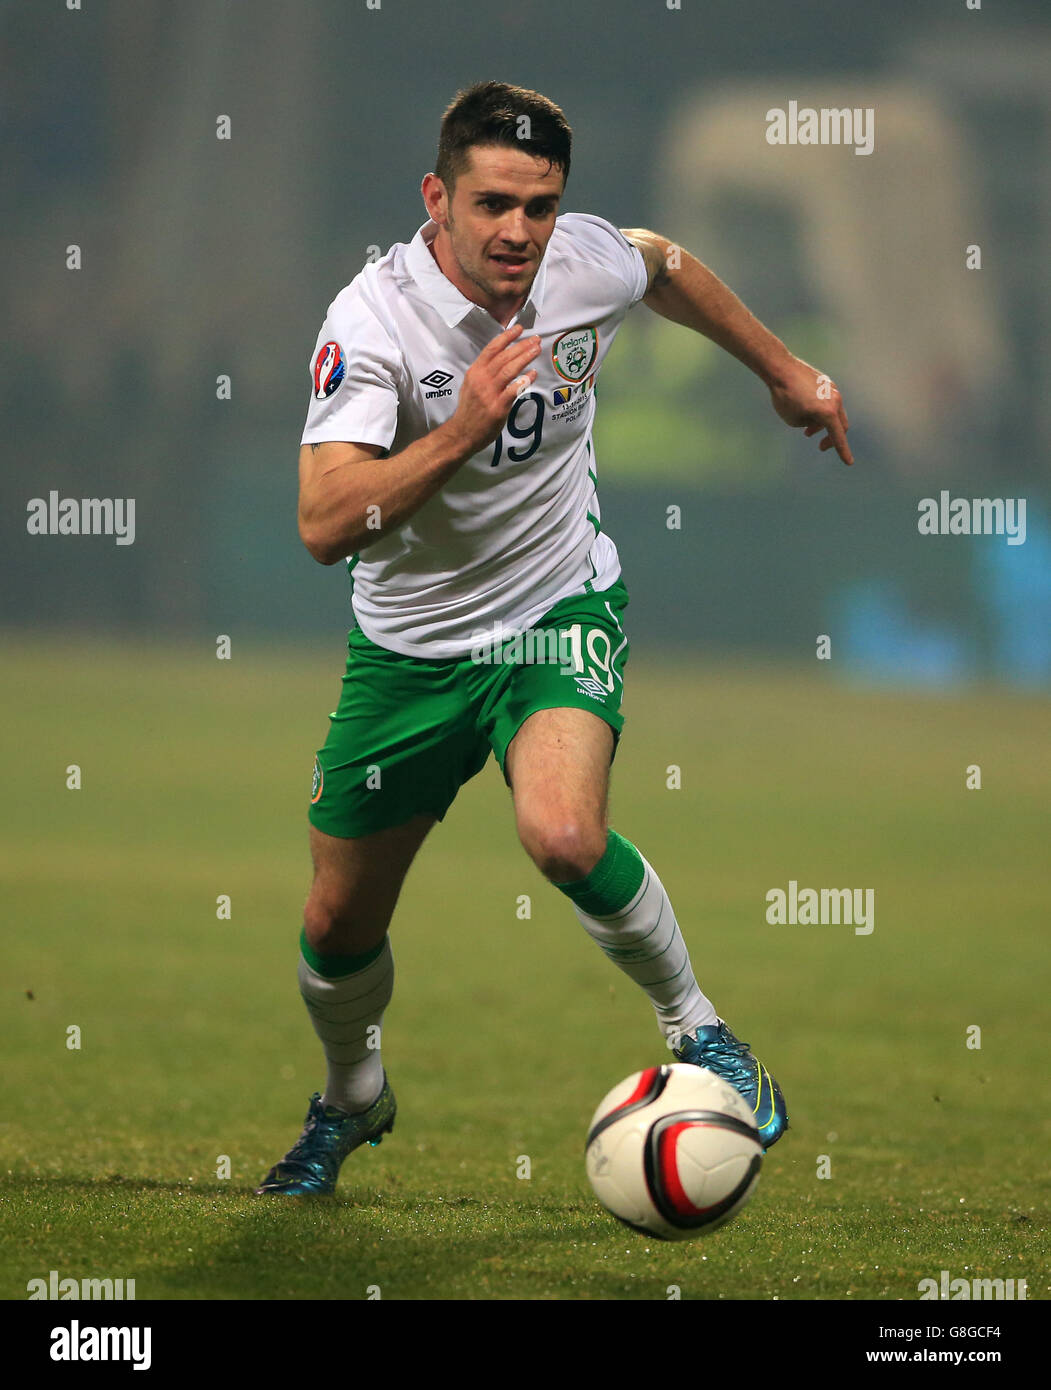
x=440 y=381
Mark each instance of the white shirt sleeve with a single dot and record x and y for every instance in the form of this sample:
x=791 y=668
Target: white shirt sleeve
x=600 y=243
x=354 y=372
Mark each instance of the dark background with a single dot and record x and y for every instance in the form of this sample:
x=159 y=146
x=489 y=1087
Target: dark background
x=204 y=257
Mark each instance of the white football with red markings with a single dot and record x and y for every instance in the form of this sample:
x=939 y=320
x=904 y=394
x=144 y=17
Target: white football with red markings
x=673 y=1151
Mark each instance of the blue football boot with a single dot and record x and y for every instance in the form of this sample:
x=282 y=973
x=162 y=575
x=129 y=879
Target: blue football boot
x=716 y=1048
x=311 y=1166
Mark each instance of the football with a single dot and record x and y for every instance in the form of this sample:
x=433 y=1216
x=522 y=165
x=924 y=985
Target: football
x=673 y=1151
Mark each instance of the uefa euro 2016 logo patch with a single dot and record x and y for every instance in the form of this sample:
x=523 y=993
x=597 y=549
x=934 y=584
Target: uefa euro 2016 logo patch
x=329 y=371
x=574 y=353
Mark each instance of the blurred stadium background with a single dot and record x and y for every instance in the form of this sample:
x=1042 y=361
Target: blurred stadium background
x=204 y=257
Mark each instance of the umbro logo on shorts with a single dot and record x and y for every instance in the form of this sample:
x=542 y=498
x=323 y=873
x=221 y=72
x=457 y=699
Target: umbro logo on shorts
x=440 y=381
x=594 y=688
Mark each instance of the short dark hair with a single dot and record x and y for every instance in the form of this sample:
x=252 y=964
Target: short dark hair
x=489 y=113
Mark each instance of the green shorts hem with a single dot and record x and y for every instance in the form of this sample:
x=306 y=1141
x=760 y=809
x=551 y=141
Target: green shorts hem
x=615 y=720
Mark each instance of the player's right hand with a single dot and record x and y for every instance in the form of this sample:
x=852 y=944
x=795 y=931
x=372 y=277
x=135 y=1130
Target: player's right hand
x=491 y=383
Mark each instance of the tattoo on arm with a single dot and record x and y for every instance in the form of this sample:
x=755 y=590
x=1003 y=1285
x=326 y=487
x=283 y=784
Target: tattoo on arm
x=314 y=448
x=654 y=251
x=662 y=276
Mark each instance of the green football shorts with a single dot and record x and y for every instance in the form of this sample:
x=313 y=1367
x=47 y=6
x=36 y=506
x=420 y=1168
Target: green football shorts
x=409 y=733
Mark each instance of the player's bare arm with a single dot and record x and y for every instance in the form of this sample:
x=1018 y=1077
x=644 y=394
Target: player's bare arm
x=685 y=291
x=339 y=482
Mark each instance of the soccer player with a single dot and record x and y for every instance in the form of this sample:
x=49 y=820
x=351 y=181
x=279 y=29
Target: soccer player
x=448 y=453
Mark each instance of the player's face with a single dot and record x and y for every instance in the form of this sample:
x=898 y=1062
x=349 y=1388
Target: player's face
x=497 y=223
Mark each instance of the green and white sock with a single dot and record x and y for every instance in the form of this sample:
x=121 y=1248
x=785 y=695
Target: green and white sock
x=623 y=906
x=346 y=996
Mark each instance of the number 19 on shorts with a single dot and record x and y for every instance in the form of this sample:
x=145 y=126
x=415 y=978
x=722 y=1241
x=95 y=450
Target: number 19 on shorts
x=591 y=654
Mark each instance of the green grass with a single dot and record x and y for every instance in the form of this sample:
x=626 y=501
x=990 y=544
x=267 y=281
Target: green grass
x=503 y=1034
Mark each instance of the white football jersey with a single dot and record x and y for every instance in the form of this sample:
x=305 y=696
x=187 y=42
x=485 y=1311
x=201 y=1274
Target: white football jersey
x=517 y=527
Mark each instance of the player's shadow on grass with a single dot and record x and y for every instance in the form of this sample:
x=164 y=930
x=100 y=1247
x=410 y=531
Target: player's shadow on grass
x=111 y=1182
x=340 y=1247
x=346 y=1198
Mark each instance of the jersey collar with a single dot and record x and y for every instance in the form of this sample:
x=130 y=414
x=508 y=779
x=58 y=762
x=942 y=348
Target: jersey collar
x=443 y=294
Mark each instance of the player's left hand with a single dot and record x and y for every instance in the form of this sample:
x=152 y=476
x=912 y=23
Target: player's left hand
x=805 y=397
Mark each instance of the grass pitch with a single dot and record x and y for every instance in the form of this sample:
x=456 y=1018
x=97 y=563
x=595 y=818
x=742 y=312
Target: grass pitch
x=504 y=1033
